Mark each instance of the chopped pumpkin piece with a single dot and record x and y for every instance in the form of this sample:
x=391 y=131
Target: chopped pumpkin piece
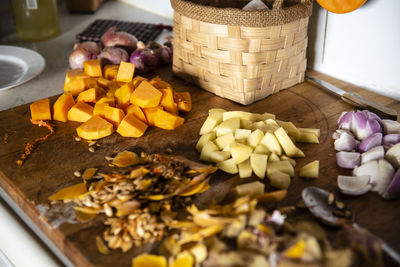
x=95 y=128
x=131 y=126
x=150 y=114
x=125 y=72
x=70 y=192
x=113 y=115
x=137 y=111
x=92 y=67
x=76 y=85
x=123 y=94
x=183 y=100
x=146 y=95
x=99 y=109
x=110 y=71
x=167 y=101
x=137 y=80
x=73 y=74
x=112 y=87
x=110 y=100
x=103 y=82
x=40 y=110
x=91 y=95
x=125 y=159
x=149 y=260
x=80 y=112
x=166 y=120
x=61 y=107
x=90 y=82
x=160 y=84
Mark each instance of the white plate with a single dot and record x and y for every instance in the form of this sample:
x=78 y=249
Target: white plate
x=18 y=65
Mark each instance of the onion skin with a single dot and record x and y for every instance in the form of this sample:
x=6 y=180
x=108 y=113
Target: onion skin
x=119 y=39
x=113 y=55
x=144 y=60
x=345 y=120
x=393 y=190
x=82 y=52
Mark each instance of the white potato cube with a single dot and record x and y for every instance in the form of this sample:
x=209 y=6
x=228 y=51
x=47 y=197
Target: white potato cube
x=255 y=138
x=261 y=149
x=238 y=114
x=274 y=158
x=264 y=116
x=240 y=152
x=245 y=169
x=228 y=166
x=283 y=166
x=227 y=148
x=218 y=156
x=204 y=139
x=299 y=154
x=305 y=137
x=290 y=128
x=241 y=134
x=269 y=140
x=259 y=164
x=208 y=147
x=244 y=124
x=311 y=170
x=224 y=140
x=228 y=126
x=279 y=179
x=292 y=161
x=288 y=146
x=253 y=189
x=257 y=125
x=315 y=131
x=216 y=112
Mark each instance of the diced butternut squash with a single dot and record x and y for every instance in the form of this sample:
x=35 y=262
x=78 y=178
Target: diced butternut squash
x=61 y=107
x=125 y=72
x=159 y=84
x=92 y=67
x=166 y=120
x=137 y=80
x=112 y=87
x=99 y=109
x=91 y=95
x=150 y=114
x=40 y=110
x=103 y=82
x=76 y=85
x=146 y=95
x=72 y=74
x=123 y=94
x=113 y=115
x=80 y=112
x=137 y=111
x=183 y=100
x=110 y=100
x=95 y=128
x=90 y=82
x=131 y=126
x=167 y=101
x=110 y=71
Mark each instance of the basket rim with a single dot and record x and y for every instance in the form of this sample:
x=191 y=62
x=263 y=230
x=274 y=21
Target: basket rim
x=238 y=17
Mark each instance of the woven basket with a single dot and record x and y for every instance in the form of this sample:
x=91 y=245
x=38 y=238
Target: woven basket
x=241 y=55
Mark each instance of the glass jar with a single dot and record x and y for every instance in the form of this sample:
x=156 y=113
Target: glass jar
x=35 y=20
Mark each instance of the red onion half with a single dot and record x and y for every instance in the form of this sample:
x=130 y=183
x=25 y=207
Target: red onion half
x=119 y=39
x=113 y=55
x=82 y=52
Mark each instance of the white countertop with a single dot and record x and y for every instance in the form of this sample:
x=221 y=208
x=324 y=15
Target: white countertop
x=20 y=244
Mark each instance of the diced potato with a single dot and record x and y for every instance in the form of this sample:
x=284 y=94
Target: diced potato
x=264 y=116
x=279 y=179
x=253 y=189
x=218 y=156
x=214 y=118
x=256 y=217
x=228 y=166
x=240 y=152
x=227 y=148
x=204 y=139
x=261 y=149
x=310 y=170
x=283 y=166
x=292 y=161
x=238 y=114
x=285 y=141
x=273 y=157
x=224 y=140
x=299 y=154
x=241 y=134
x=257 y=125
x=208 y=147
x=315 y=131
x=255 y=138
x=228 y=126
x=307 y=137
x=40 y=110
x=245 y=169
x=290 y=128
x=259 y=164
x=270 y=141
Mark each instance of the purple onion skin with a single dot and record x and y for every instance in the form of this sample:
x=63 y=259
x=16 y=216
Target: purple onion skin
x=82 y=52
x=393 y=190
x=145 y=60
x=371 y=141
x=124 y=40
x=113 y=55
x=345 y=120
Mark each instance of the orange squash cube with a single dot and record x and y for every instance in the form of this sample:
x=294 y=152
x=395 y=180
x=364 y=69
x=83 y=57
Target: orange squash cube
x=131 y=126
x=112 y=87
x=146 y=95
x=61 y=107
x=110 y=100
x=125 y=72
x=40 y=110
x=92 y=67
x=103 y=83
x=150 y=114
x=95 y=128
x=137 y=111
x=90 y=82
x=91 y=95
x=137 y=80
x=80 y=112
x=113 y=115
x=167 y=101
x=159 y=84
x=123 y=94
x=183 y=100
x=166 y=120
x=99 y=109
x=110 y=71
x=76 y=85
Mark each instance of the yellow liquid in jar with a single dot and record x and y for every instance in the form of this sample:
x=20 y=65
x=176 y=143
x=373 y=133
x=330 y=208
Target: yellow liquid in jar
x=35 y=20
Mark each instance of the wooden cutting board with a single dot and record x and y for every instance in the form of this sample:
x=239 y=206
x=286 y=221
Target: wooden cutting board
x=52 y=164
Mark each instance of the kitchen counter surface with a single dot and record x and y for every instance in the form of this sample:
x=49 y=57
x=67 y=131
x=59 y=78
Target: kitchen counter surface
x=16 y=236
